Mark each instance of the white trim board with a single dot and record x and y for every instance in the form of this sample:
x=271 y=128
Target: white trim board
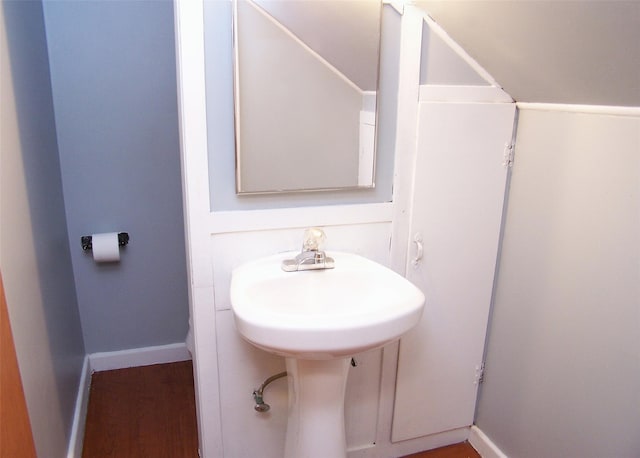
x=281 y=218
x=483 y=445
x=146 y=356
x=192 y=111
x=406 y=134
x=460 y=93
x=589 y=109
x=80 y=412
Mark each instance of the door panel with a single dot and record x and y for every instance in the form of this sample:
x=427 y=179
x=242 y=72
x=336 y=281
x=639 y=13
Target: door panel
x=457 y=205
x=15 y=431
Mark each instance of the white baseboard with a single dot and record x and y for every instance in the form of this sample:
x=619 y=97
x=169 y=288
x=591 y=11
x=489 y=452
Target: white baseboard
x=410 y=446
x=146 y=356
x=80 y=413
x=483 y=445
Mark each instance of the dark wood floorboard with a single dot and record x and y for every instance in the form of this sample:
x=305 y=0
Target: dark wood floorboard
x=142 y=412
x=462 y=450
x=149 y=412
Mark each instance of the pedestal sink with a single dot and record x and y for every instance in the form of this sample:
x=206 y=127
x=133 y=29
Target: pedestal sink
x=317 y=320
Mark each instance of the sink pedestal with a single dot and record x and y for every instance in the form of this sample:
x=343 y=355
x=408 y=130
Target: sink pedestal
x=315 y=425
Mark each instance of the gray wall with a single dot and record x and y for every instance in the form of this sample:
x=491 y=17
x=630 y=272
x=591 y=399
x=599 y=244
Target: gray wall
x=220 y=127
x=439 y=64
x=563 y=368
x=114 y=90
x=576 y=52
x=34 y=251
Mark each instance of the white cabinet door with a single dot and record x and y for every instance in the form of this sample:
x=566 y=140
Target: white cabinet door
x=459 y=191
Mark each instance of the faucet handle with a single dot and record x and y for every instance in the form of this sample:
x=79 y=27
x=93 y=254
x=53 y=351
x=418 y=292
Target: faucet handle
x=313 y=239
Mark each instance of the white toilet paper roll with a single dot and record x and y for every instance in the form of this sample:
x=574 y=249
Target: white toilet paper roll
x=105 y=247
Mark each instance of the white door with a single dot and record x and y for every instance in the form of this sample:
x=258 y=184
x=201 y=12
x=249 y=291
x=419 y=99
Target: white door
x=460 y=181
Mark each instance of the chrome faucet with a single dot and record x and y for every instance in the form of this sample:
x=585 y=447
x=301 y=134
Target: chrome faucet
x=311 y=257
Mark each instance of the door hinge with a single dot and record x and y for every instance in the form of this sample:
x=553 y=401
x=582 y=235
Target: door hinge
x=479 y=376
x=508 y=155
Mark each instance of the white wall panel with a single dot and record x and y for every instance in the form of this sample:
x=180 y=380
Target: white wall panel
x=563 y=361
x=242 y=368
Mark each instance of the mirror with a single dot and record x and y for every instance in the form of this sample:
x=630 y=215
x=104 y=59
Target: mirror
x=306 y=78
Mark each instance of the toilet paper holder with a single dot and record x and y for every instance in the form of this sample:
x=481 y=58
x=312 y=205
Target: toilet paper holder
x=85 y=240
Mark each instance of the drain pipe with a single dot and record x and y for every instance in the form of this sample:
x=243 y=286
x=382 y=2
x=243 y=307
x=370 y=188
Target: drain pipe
x=261 y=406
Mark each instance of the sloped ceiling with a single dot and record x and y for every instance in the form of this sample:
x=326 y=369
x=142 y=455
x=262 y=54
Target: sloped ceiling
x=575 y=52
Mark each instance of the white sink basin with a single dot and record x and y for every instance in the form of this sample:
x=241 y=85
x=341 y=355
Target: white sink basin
x=322 y=314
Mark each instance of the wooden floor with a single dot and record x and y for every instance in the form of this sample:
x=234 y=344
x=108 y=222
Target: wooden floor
x=150 y=412
x=142 y=412
x=463 y=450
